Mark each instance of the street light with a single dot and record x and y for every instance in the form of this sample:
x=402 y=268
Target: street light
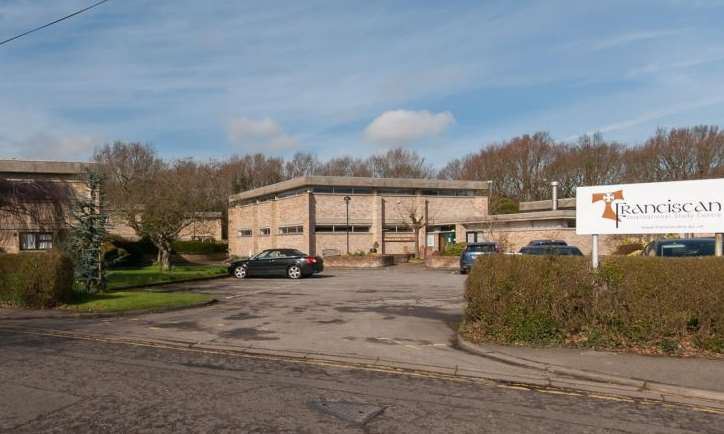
x=346 y=201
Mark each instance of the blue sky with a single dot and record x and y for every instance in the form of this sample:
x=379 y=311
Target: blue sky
x=207 y=79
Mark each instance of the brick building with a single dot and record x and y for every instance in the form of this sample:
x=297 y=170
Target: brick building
x=312 y=215
x=61 y=180
x=68 y=180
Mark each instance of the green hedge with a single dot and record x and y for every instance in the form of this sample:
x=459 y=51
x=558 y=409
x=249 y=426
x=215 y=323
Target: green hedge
x=455 y=249
x=200 y=247
x=36 y=279
x=663 y=304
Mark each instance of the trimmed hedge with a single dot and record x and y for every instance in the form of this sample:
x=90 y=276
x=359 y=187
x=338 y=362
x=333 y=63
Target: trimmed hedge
x=36 y=279
x=657 y=304
x=200 y=247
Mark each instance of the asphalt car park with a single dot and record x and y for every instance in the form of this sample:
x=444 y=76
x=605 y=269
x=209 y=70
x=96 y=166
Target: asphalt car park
x=402 y=313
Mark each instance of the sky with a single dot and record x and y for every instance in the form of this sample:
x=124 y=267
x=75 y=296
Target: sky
x=208 y=79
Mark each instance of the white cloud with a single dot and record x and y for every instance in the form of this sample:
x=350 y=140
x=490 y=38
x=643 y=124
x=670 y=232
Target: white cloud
x=400 y=127
x=259 y=134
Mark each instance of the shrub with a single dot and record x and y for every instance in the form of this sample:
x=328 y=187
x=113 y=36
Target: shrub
x=196 y=247
x=36 y=279
x=647 y=302
x=628 y=248
x=453 y=249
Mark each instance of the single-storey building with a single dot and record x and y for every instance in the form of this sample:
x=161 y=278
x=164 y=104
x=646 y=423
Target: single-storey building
x=338 y=215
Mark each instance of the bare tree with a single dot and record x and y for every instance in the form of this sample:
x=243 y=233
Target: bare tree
x=400 y=163
x=157 y=199
x=409 y=211
x=302 y=164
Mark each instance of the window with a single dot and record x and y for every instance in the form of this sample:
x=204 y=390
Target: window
x=265 y=232
x=291 y=230
x=342 y=190
x=342 y=228
x=244 y=233
x=36 y=241
x=397 y=228
x=397 y=191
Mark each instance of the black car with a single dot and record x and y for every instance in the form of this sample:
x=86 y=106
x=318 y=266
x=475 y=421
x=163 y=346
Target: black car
x=277 y=262
x=472 y=251
x=547 y=243
x=551 y=250
x=682 y=247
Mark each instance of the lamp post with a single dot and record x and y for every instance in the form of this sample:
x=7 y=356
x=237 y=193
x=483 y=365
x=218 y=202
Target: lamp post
x=346 y=201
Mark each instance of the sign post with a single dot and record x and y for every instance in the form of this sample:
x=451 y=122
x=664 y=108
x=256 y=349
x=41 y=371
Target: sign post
x=594 y=252
x=679 y=207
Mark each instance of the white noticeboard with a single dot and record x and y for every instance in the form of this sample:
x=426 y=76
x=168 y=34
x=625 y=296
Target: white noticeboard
x=651 y=208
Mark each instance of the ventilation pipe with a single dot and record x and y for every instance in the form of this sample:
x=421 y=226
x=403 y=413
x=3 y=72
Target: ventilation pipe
x=554 y=186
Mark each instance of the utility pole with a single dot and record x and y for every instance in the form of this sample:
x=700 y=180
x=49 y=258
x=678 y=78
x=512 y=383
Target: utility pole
x=346 y=201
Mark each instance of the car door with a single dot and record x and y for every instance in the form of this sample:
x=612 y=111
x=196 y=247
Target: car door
x=259 y=264
x=278 y=263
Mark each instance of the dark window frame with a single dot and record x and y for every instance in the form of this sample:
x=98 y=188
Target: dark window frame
x=37 y=241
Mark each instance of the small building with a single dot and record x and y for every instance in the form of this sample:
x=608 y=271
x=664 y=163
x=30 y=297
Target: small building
x=36 y=203
x=325 y=215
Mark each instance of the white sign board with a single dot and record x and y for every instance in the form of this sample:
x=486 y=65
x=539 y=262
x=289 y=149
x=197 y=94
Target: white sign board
x=651 y=208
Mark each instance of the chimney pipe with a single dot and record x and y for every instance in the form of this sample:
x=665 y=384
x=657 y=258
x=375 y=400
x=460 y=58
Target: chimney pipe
x=554 y=185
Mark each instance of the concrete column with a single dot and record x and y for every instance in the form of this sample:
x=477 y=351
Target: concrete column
x=274 y=223
x=378 y=223
x=255 y=228
x=310 y=223
x=719 y=246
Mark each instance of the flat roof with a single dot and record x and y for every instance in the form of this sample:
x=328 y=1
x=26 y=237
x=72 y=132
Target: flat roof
x=44 y=167
x=561 y=214
x=354 y=181
x=541 y=205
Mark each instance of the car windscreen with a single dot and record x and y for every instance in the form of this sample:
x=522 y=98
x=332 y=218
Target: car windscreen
x=687 y=248
x=480 y=248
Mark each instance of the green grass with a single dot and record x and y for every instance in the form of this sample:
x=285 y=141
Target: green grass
x=151 y=274
x=120 y=301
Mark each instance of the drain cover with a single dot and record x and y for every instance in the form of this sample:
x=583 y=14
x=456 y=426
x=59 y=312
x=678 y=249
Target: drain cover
x=349 y=411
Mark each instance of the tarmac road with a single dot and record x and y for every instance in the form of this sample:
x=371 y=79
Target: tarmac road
x=55 y=384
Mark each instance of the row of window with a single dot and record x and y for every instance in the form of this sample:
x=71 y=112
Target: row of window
x=342 y=228
x=293 y=230
x=286 y=230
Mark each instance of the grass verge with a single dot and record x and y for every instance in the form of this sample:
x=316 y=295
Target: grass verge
x=151 y=274
x=120 y=301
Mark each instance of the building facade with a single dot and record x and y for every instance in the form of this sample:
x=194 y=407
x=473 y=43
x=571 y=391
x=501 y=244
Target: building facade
x=51 y=186
x=327 y=215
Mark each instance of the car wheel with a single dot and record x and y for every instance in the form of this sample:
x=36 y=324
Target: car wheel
x=240 y=272
x=294 y=272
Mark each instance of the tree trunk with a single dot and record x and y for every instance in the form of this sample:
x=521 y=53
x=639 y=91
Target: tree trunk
x=417 y=242
x=164 y=259
x=164 y=254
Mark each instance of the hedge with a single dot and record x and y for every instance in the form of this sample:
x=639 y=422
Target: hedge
x=657 y=304
x=200 y=247
x=36 y=279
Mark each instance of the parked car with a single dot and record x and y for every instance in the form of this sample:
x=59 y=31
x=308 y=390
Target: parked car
x=547 y=243
x=277 y=262
x=551 y=250
x=682 y=247
x=473 y=250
